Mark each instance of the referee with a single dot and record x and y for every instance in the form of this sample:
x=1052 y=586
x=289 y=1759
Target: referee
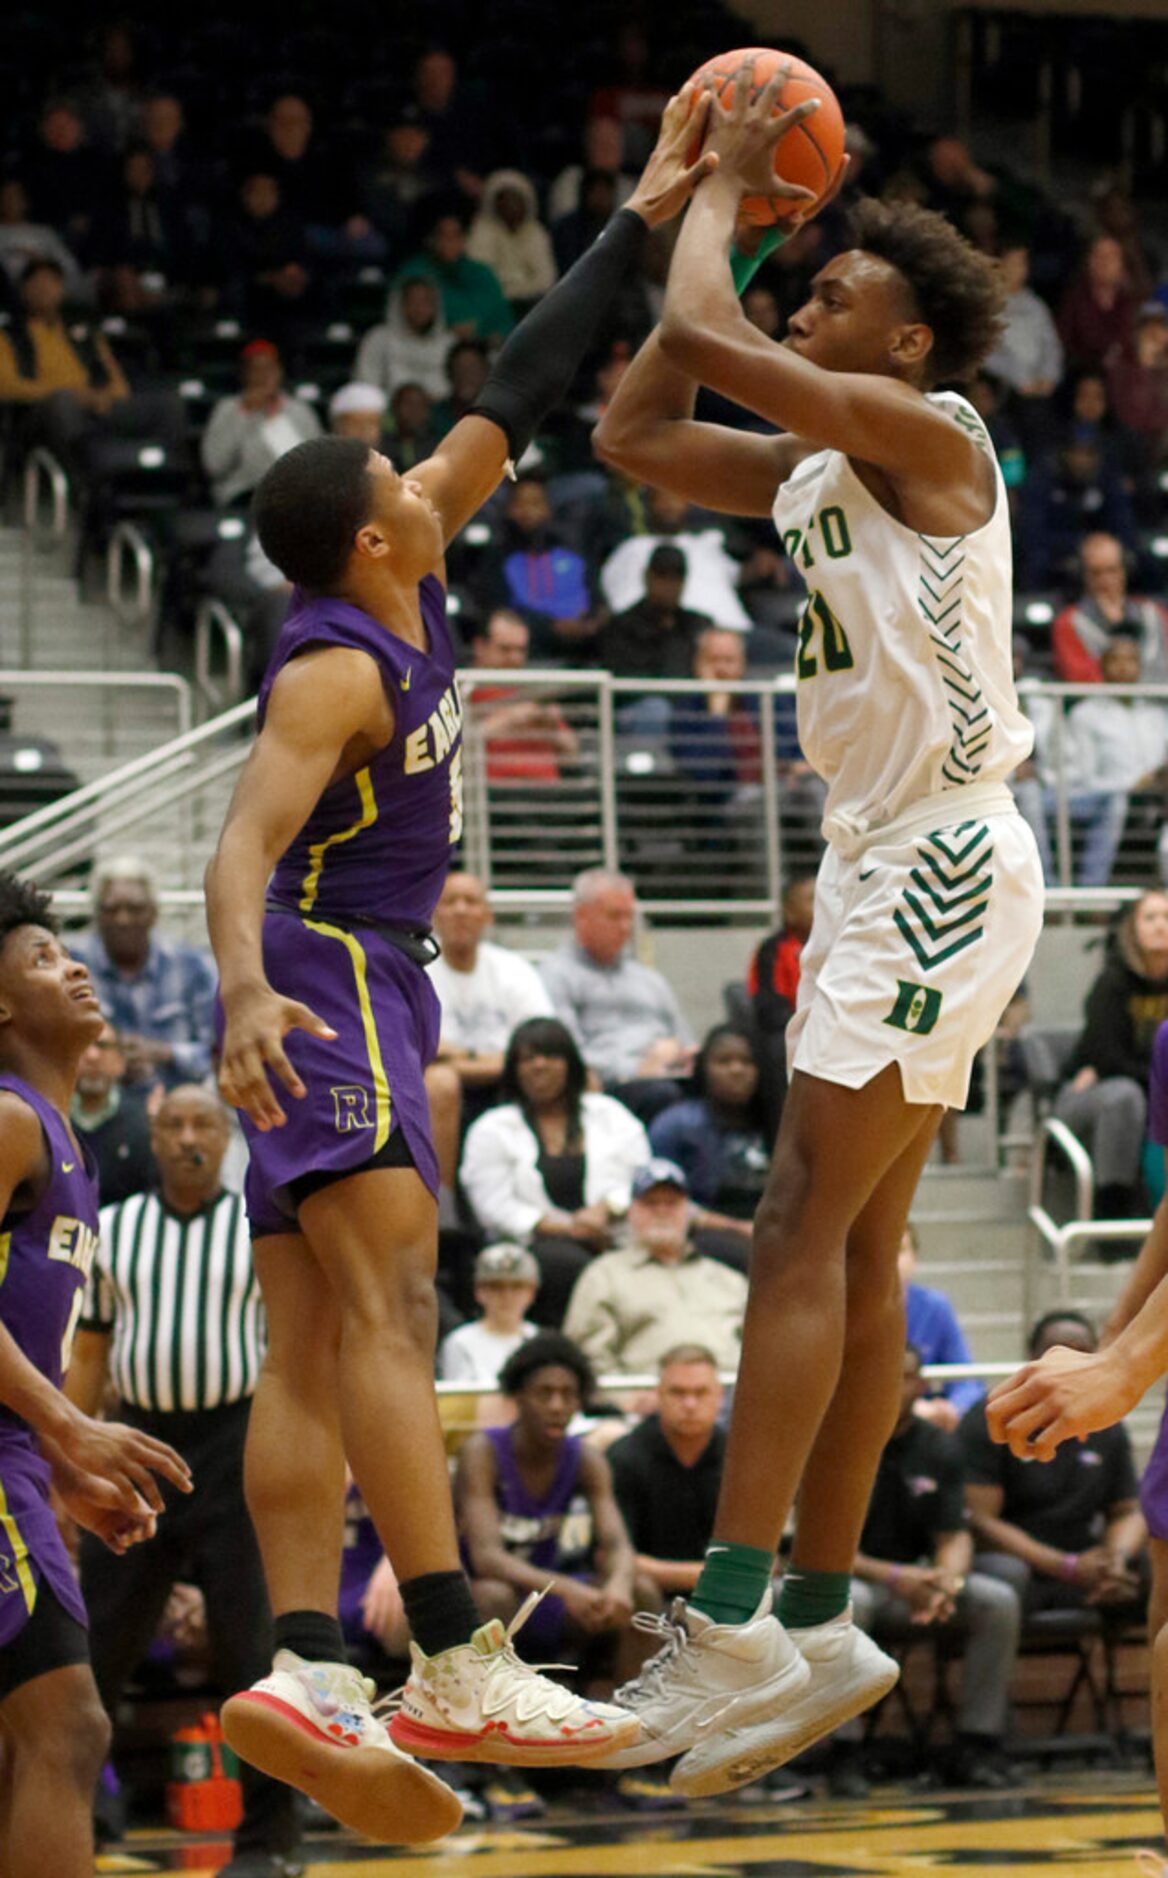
x=173 y=1314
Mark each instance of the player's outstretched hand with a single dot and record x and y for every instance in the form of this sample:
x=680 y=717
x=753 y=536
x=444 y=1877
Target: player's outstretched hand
x=258 y=1020
x=99 y=1507
x=743 y=133
x=1065 y=1396
x=669 y=179
x=124 y=1459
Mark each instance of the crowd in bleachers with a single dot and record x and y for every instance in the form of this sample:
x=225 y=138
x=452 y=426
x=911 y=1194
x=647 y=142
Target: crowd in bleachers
x=216 y=255
x=221 y=267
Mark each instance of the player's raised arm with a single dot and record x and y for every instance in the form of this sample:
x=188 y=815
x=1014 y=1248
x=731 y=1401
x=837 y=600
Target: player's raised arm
x=536 y=366
x=327 y=712
x=861 y=393
x=649 y=432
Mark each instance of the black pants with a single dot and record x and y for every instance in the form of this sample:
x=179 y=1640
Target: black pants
x=204 y=1538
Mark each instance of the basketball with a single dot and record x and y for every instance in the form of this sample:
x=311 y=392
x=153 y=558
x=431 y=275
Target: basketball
x=810 y=153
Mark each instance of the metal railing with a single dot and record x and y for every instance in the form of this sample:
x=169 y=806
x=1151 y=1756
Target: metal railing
x=64 y=833
x=1066 y=1246
x=129 y=552
x=699 y=797
x=44 y=477
x=105 y=695
x=218 y=658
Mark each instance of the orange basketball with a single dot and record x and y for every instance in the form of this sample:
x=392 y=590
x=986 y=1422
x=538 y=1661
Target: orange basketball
x=810 y=153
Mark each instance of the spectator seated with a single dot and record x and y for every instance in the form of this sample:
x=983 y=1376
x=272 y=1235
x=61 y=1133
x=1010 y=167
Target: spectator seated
x=630 y=1306
x=625 y=1015
x=719 y=1141
x=552 y=1166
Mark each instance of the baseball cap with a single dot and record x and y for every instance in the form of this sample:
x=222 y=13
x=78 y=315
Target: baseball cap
x=357 y=397
x=506 y=1261
x=658 y=1173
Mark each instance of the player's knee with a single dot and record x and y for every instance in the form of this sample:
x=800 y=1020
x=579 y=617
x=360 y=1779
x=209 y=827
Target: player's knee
x=76 y=1746
x=402 y=1306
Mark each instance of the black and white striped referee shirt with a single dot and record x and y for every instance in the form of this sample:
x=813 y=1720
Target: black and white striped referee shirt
x=180 y=1295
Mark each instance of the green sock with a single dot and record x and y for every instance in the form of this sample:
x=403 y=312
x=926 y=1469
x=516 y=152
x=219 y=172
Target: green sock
x=733 y=1580
x=809 y=1598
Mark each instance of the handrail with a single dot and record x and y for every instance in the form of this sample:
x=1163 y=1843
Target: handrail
x=128 y=545
x=43 y=470
x=213 y=621
x=50 y=823
x=1061 y=1242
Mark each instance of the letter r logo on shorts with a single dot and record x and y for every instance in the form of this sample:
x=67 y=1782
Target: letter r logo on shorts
x=351 y=1108
x=917 y=1008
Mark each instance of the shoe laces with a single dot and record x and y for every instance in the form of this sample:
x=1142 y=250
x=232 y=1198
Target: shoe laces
x=555 y=1701
x=670 y=1627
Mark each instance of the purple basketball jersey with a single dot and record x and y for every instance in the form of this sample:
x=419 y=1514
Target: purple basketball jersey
x=45 y=1259
x=377 y=844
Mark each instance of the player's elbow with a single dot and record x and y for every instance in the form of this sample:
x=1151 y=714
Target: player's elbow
x=682 y=341
x=612 y=440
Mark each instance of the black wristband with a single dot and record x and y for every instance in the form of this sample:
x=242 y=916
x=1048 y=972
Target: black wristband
x=536 y=366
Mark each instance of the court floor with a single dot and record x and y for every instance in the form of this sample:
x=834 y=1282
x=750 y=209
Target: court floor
x=1085 y=1823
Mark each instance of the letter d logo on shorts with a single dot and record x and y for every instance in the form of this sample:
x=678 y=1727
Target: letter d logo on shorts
x=917 y=1008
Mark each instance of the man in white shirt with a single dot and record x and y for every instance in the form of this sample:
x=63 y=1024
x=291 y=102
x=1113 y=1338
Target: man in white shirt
x=484 y=991
x=1118 y=747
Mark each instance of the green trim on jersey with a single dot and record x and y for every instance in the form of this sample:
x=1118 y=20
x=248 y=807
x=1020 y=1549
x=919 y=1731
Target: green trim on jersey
x=940 y=596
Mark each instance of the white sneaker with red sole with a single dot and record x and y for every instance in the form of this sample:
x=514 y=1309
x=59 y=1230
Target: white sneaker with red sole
x=312 y=1725
x=481 y=1702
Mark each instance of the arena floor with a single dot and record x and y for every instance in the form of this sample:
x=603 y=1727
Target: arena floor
x=1086 y=1823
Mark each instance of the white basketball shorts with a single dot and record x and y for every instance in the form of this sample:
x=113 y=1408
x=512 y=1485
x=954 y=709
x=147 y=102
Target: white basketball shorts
x=919 y=942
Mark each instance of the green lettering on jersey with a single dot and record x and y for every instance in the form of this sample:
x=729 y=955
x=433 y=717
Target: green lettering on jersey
x=833 y=640
x=832 y=524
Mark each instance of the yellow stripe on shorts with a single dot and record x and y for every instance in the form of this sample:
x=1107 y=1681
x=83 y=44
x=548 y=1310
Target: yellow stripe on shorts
x=19 y=1550
x=381 y=1097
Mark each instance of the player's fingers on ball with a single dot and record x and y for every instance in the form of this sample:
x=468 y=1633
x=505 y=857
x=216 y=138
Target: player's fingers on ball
x=807 y=107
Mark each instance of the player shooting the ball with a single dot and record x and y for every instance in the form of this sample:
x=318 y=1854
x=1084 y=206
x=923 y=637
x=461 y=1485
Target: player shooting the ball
x=888 y=498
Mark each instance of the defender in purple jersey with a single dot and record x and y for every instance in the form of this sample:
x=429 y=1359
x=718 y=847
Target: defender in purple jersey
x=53 y=1730
x=319 y=901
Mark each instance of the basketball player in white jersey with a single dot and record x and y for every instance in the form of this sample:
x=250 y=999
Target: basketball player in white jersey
x=927 y=909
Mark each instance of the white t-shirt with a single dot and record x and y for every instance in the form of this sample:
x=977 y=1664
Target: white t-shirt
x=472 y=1353
x=481 y=1008
x=904 y=669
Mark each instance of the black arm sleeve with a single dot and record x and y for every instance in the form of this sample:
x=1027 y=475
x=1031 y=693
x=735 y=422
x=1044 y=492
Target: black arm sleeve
x=541 y=358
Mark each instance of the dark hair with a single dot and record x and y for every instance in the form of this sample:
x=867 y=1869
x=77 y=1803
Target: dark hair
x=710 y=1041
x=547 y=1351
x=1066 y=1316
x=23 y=904
x=957 y=290
x=465 y=345
x=308 y=507
x=40 y=264
x=545 y=1036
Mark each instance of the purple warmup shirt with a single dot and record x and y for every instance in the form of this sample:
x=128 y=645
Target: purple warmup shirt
x=45 y=1259
x=377 y=844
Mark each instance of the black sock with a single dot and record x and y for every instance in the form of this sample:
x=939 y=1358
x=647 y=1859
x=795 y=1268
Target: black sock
x=439 y=1610
x=313 y=1635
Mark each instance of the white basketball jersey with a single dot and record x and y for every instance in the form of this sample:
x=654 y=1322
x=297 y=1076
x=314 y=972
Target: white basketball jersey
x=905 y=675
